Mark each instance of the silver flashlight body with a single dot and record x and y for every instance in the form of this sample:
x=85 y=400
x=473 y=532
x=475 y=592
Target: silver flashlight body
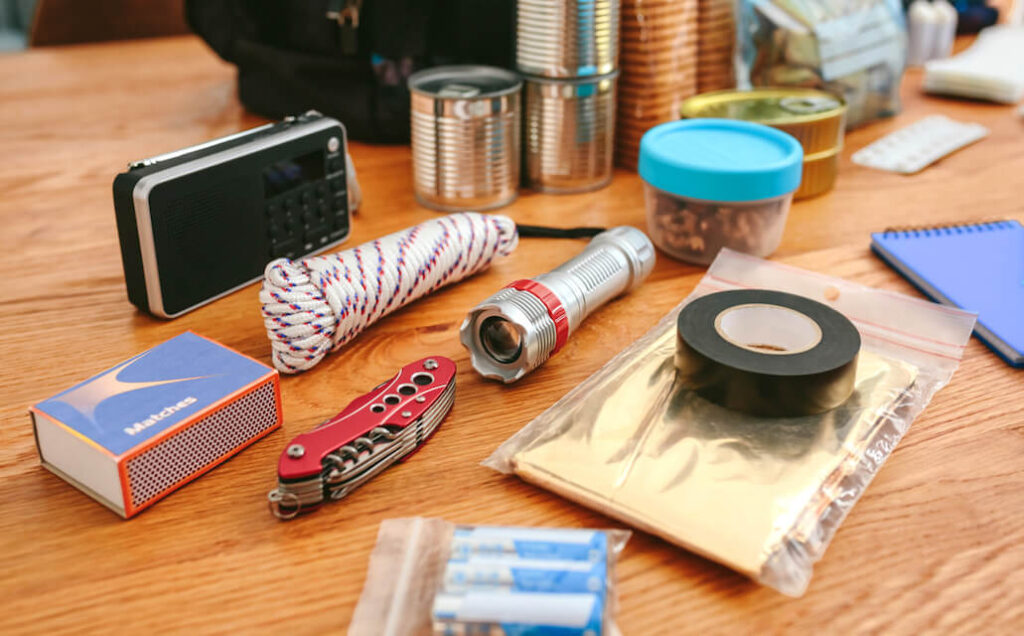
x=517 y=329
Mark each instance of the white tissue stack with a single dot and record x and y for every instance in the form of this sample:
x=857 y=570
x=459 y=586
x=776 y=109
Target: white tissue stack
x=992 y=69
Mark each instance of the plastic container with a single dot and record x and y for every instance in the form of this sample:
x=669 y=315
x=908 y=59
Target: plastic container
x=714 y=183
x=816 y=118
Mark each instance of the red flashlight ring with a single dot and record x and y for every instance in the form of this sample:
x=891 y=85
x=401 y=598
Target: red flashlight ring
x=552 y=303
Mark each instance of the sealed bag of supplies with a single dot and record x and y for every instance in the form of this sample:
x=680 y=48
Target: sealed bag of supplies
x=856 y=49
x=429 y=576
x=757 y=491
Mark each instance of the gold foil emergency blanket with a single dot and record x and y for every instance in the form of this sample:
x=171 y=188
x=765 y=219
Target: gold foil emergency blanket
x=738 y=489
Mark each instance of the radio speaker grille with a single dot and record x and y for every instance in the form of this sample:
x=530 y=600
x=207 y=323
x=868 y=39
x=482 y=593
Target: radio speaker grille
x=194 y=448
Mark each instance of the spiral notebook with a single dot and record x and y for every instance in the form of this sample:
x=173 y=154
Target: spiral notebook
x=978 y=267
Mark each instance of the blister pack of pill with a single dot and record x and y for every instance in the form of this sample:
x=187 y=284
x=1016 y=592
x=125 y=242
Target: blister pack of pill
x=917 y=146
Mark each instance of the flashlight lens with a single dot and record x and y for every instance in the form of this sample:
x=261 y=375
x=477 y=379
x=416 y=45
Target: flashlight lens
x=501 y=339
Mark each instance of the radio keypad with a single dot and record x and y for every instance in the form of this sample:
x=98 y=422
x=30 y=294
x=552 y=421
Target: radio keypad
x=308 y=219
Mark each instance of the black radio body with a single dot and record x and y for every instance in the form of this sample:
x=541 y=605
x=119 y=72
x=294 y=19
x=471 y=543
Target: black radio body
x=199 y=223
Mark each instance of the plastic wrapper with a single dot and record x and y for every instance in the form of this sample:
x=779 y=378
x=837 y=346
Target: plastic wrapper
x=658 y=69
x=429 y=576
x=763 y=496
x=856 y=49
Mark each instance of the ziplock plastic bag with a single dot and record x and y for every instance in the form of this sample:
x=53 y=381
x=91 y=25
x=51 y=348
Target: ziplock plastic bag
x=856 y=49
x=428 y=576
x=763 y=496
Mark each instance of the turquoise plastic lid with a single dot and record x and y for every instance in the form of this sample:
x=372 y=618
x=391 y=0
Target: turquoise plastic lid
x=721 y=160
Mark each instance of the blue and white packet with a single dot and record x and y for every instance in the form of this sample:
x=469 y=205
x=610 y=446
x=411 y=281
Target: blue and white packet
x=518 y=614
x=525 y=575
x=529 y=543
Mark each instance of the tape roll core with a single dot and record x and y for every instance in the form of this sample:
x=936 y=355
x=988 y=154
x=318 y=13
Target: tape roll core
x=766 y=353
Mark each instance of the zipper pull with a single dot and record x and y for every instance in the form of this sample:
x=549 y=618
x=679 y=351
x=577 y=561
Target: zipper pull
x=346 y=14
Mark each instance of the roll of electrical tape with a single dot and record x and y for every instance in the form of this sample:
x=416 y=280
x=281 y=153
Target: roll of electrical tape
x=767 y=353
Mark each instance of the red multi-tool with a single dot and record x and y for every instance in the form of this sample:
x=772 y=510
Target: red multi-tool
x=376 y=430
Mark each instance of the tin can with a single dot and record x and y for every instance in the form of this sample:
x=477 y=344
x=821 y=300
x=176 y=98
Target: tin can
x=465 y=137
x=570 y=133
x=816 y=118
x=567 y=38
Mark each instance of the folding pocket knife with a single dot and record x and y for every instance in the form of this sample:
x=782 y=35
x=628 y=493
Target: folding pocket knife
x=376 y=430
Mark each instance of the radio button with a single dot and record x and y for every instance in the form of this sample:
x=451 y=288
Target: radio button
x=334 y=165
x=310 y=217
x=286 y=249
x=316 y=236
x=279 y=219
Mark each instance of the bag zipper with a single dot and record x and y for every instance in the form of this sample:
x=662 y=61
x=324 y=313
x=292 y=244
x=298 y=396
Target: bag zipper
x=346 y=14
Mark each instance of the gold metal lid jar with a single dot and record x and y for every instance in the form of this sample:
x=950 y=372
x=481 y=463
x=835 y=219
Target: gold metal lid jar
x=816 y=118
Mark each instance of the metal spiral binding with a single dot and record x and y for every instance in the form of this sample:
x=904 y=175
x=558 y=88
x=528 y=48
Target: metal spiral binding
x=947 y=228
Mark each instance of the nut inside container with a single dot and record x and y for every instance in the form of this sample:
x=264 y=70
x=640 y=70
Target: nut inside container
x=693 y=230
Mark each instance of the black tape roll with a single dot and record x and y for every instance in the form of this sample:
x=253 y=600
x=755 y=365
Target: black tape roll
x=766 y=352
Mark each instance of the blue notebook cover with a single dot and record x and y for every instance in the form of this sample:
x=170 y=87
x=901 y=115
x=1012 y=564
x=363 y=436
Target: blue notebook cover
x=977 y=267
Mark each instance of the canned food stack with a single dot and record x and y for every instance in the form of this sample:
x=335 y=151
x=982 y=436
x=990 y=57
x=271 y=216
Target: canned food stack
x=568 y=52
x=465 y=137
x=815 y=118
x=658 y=62
x=716 y=41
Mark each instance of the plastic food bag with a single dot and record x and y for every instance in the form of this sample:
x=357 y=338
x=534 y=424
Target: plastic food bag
x=853 y=48
x=430 y=576
x=763 y=496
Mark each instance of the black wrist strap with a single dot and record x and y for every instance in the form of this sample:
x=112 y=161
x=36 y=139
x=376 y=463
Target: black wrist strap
x=543 y=231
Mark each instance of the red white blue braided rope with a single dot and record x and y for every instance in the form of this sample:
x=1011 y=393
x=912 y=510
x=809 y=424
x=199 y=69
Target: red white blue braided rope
x=314 y=306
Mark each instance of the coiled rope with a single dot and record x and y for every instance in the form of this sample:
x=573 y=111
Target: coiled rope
x=315 y=305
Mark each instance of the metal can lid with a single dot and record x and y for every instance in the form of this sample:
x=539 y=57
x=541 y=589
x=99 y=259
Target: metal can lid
x=773 y=106
x=465 y=82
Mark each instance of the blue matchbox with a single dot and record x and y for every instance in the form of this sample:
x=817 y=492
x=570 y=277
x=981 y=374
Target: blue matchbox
x=134 y=433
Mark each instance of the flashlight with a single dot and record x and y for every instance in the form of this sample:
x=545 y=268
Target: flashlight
x=517 y=329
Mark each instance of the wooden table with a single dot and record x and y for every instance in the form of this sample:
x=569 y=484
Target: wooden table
x=936 y=543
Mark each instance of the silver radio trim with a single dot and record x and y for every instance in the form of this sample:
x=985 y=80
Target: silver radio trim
x=145 y=185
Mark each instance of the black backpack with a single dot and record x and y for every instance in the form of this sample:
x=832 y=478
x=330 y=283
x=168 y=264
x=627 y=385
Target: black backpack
x=349 y=59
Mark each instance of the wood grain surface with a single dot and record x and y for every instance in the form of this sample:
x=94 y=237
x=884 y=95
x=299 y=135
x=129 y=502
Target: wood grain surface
x=935 y=545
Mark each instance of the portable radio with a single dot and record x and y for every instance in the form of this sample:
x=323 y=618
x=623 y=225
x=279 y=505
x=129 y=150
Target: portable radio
x=200 y=222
